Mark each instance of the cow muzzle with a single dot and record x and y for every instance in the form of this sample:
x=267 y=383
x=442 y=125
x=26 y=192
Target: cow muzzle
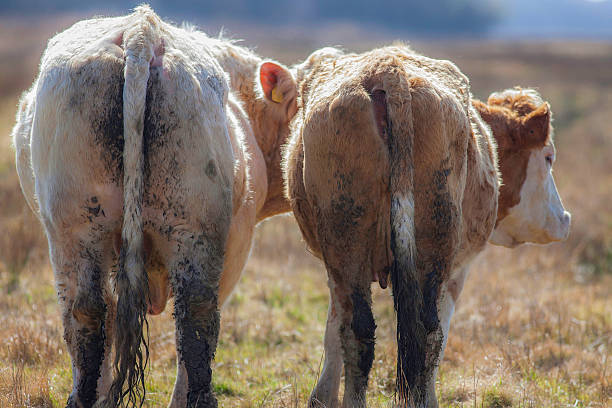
x=560 y=227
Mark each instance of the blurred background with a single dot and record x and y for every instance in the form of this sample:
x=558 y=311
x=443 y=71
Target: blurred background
x=497 y=18
x=533 y=326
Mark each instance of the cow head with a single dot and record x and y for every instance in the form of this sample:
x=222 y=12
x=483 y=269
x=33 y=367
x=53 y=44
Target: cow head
x=530 y=209
x=267 y=92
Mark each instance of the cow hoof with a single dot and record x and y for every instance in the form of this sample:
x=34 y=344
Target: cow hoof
x=314 y=402
x=202 y=401
x=71 y=403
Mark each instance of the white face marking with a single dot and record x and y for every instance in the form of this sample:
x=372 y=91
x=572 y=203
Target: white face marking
x=539 y=217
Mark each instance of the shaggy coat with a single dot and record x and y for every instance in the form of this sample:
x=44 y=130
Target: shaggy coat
x=391 y=170
x=148 y=153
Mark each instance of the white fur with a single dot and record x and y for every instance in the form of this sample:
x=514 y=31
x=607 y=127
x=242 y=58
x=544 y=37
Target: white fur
x=404 y=225
x=59 y=163
x=539 y=217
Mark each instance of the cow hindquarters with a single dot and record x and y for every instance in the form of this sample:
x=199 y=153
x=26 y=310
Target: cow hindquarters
x=344 y=174
x=131 y=281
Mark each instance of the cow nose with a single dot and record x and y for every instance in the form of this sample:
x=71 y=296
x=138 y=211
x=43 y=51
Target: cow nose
x=566 y=220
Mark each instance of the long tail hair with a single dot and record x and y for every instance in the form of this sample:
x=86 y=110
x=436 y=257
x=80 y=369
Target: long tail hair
x=407 y=293
x=131 y=282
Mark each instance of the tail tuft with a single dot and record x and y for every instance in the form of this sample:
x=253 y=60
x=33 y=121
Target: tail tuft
x=128 y=388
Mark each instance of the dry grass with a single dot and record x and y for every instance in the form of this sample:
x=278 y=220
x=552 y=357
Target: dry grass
x=533 y=327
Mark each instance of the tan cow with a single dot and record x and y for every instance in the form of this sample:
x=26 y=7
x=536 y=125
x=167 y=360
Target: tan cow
x=392 y=169
x=149 y=152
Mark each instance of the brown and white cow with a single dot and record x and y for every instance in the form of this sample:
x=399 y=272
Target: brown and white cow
x=149 y=153
x=392 y=169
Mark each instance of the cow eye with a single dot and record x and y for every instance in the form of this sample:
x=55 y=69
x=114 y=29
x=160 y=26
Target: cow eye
x=549 y=159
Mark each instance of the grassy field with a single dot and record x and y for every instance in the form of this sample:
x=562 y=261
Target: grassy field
x=533 y=327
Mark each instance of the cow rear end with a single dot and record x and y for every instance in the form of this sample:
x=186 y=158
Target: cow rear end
x=130 y=137
x=383 y=170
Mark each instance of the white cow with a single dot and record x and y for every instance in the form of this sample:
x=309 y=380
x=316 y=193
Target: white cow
x=149 y=153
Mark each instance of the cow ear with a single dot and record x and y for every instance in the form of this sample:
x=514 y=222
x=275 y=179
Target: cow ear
x=278 y=87
x=536 y=126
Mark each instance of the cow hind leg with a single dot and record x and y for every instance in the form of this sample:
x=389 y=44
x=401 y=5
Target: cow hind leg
x=82 y=291
x=106 y=370
x=449 y=293
x=446 y=307
x=350 y=279
x=352 y=300
x=325 y=393
x=195 y=283
x=357 y=332
x=179 y=394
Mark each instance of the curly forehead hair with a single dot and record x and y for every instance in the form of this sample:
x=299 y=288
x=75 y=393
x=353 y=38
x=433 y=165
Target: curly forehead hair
x=521 y=100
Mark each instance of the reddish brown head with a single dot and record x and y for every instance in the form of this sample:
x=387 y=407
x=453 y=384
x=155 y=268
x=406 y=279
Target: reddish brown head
x=530 y=209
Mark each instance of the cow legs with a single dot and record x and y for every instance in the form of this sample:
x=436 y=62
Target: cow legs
x=351 y=298
x=179 y=394
x=106 y=370
x=449 y=293
x=325 y=393
x=446 y=307
x=195 y=282
x=82 y=289
x=357 y=329
x=349 y=339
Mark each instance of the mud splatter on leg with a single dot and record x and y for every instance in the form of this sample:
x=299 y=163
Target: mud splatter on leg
x=357 y=332
x=80 y=291
x=195 y=281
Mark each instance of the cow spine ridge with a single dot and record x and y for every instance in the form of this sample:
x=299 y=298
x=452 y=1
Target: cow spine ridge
x=131 y=281
x=407 y=293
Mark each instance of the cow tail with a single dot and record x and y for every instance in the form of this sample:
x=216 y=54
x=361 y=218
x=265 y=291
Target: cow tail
x=131 y=282
x=407 y=293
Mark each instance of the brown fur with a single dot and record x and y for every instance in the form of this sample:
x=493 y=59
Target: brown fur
x=339 y=166
x=390 y=135
x=519 y=125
